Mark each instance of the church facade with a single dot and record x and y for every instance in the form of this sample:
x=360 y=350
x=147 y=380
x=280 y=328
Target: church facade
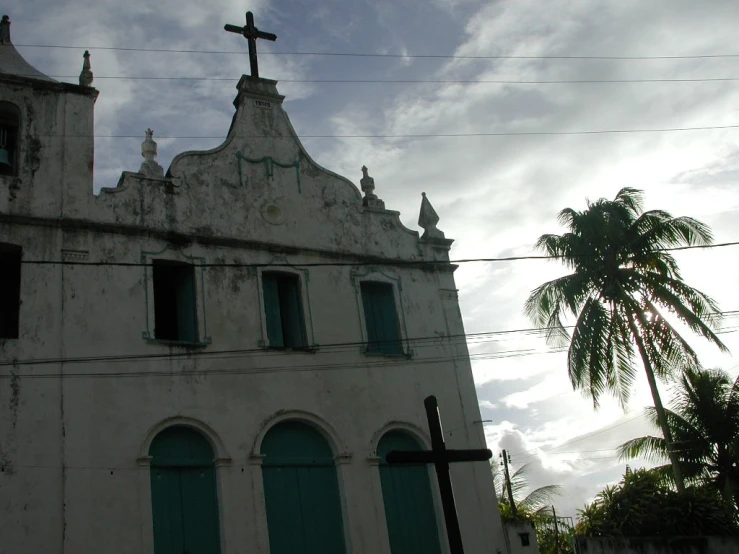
x=217 y=358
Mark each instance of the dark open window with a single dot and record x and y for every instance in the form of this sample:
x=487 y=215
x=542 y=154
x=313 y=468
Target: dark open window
x=381 y=318
x=283 y=310
x=10 y=290
x=175 y=314
x=9 y=127
x=525 y=540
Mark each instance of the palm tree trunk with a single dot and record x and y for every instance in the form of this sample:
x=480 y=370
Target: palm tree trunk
x=661 y=416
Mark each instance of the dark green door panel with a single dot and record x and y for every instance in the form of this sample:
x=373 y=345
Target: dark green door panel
x=409 y=503
x=166 y=500
x=183 y=493
x=301 y=492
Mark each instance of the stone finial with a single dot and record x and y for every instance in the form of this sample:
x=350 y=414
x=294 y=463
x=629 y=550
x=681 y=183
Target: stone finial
x=150 y=167
x=86 y=74
x=427 y=219
x=5 y=30
x=368 y=187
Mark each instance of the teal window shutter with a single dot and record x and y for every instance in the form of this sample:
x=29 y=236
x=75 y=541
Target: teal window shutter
x=175 y=301
x=187 y=327
x=283 y=310
x=381 y=318
x=272 y=310
x=293 y=326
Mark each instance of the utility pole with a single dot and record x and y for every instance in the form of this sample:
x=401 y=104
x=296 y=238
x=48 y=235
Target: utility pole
x=507 y=458
x=556 y=531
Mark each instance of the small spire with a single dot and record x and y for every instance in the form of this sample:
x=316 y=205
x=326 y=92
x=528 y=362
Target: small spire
x=150 y=167
x=5 y=30
x=86 y=74
x=427 y=219
x=368 y=187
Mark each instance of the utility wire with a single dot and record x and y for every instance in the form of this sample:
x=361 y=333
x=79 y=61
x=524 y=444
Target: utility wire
x=576 y=439
x=453 y=340
x=390 y=262
x=372 y=55
x=401 y=362
x=417 y=342
x=427 y=135
x=414 y=81
x=262 y=351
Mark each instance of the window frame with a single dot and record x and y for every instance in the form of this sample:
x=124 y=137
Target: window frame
x=15 y=249
x=175 y=255
x=10 y=116
x=183 y=277
x=375 y=274
x=303 y=278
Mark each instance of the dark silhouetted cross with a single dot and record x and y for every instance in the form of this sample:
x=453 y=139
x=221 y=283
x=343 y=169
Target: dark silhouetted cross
x=441 y=457
x=251 y=33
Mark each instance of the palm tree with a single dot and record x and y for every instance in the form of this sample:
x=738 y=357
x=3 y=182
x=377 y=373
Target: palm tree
x=535 y=503
x=623 y=285
x=704 y=424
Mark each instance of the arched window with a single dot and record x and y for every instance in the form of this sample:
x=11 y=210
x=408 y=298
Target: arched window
x=301 y=491
x=183 y=493
x=409 y=504
x=10 y=119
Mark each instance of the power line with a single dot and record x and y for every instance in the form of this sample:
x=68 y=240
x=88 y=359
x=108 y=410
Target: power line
x=372 y=55
x=261 y=351
x=414 y=81
x=427 y=135
x=401 y=362
x=452 y=340
x=391 y=262
x=577 y=439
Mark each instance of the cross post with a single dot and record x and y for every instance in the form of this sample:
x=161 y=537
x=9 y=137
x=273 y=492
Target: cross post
x=251 y=34
x=441 y=457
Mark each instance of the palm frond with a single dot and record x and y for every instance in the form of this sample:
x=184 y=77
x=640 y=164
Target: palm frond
x=630 y=198
x=538 y=498
x=697 y=310
x=587 y=358
x=551 y=301
x=654 y=449
x=657 y=229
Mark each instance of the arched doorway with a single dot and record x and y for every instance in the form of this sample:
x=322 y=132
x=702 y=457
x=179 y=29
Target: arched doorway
x=183 y=493
x=409 y=504
x=301 y=491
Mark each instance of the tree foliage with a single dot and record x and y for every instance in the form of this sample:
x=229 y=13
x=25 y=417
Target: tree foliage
x=625 y=291
x=704 y=423
x=642 y=505
x=529 y=506
x=621 y=272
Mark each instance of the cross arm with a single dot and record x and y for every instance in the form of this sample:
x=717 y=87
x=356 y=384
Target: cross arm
x=234 y=29
x=268 y=36
x=429 y=457
x=410 y=457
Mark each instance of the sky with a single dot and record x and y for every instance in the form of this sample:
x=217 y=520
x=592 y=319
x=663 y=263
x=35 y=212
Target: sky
x=495 y=195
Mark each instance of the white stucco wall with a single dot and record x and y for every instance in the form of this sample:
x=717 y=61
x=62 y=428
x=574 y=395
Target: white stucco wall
x=74 y=435
x=515 y=543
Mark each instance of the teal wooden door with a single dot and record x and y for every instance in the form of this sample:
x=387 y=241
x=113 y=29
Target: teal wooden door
x=409 y=504
x=183 y=493
x=301 y=492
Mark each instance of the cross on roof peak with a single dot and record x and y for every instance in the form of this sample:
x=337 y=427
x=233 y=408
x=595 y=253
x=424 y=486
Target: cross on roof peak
x=251 y=34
